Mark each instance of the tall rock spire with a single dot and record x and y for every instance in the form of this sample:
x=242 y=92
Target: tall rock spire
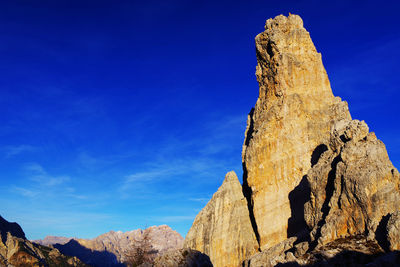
x=292 y=117
x=314 y=179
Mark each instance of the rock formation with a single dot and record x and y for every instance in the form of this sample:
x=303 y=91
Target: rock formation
x=392 y=235
x=109 y=249
x=223 y=230
x=353 y=251
x=354 y=186
x=293 y=116
x=183 y=258
x=16 y=250
x=318 y=184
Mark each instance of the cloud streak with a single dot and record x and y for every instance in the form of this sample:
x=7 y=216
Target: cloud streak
x=12 y=151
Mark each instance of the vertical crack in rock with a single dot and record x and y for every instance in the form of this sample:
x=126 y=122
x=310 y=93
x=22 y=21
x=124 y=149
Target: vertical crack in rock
x=247 y=191
x=329 y=190
x=293 y=115
x=223 y=229
x=310 y=172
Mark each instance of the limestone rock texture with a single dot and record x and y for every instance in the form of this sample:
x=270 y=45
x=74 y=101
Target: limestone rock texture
x=293 y=115
x=184 y=257
x=223 y=229
x=393 y=231
x=354 y=186
x=353 y=251
x=320 y=187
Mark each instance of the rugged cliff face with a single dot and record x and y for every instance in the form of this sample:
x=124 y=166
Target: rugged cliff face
x=292 y=117
x=319 y=186
x=223 y=230
x=354 y=186
x=16 y=250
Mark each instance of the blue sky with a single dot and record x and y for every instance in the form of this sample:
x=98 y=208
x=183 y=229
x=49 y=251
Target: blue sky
x=120 y=114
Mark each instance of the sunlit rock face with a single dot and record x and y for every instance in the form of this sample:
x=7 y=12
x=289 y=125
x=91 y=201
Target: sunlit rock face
x=222 y=229
x=354 y=187
x=184 y=257
x=320 y=187
x=293 y=116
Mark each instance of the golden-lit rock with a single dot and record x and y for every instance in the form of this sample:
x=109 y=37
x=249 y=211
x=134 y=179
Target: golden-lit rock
x=320 y=187
x=293 y=115
x=354 y=186
x=393 y=231
x=223 y=230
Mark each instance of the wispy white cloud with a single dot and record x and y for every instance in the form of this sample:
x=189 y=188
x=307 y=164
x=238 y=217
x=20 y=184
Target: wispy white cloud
x=200 y=160
x=39 y=175
x=37 y=182
x=34 y=168
x=164 y=170
x=11 y=151
x=25 y=191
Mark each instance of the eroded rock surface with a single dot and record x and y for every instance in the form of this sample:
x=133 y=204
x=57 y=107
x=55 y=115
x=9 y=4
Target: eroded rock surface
x=393 y=232
x=320 y=187
x=354 y=186
x=293 y=115
x=353 y=251
x=185 y=257
x=222 y=229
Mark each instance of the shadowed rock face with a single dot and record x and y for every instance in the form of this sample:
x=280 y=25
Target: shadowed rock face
x=354 y=186
x=13 y=228
x=223 y=230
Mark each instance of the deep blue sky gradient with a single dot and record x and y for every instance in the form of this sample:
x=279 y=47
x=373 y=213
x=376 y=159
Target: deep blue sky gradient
x=120 y=114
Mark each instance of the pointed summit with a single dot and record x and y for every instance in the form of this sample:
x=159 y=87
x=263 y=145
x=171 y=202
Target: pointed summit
x=293 y=115
x=222 y=229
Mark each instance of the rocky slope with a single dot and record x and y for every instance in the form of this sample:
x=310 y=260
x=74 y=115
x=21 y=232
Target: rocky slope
x=316 y=181
x=109 y=249
x=16 y=250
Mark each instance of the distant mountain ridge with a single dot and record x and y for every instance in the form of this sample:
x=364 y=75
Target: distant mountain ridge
x=51 y=240
x=109 y=249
